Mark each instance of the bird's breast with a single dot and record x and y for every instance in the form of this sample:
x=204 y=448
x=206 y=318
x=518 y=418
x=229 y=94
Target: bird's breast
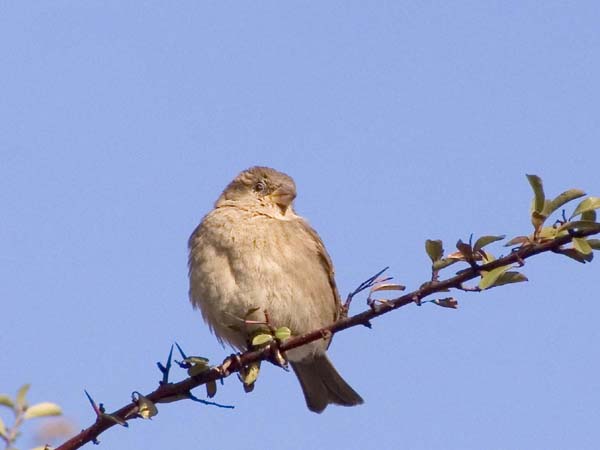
x=241 y=261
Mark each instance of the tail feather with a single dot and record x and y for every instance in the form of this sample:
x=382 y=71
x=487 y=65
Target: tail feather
x=322 y=384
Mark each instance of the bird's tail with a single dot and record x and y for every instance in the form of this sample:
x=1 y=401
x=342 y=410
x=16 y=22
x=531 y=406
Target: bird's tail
x=322 y=384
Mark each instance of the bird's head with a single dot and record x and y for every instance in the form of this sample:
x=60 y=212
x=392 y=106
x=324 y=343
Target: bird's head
x=260 y=187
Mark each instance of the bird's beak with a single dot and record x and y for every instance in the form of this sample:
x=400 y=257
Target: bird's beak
x=283 y=197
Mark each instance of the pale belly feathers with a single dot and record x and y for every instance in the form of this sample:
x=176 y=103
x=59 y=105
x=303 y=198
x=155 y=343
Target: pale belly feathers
x=239 y=263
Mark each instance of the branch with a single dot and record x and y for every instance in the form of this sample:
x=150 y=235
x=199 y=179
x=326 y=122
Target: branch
x=169 y=392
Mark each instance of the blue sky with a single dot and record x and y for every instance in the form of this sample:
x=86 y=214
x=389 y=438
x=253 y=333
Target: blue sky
x=121 y=122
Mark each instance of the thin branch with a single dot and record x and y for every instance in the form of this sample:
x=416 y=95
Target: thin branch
x=169 y=392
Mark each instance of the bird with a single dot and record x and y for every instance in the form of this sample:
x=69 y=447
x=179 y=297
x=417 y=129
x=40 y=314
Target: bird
x=253 y=255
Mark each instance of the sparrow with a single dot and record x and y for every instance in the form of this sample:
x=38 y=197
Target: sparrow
x=253 y=255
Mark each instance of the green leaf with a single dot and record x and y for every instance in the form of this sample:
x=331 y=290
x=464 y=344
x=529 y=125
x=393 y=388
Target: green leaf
x=580 y=225
x=561 y=199
x=198 y=364
x=21 y=394
x=465 y=249
x=547 y=233
x=443 y=263
x=197 y=369
x=387 y=287
x=577 y=256
x=146 y=407
x=589 y=215
x=196 y=360
x=3 y=431
x=115 y=419
x=518 y=240
x=486 y=240
x=594 y=243
x=538 y=192
x=5 y=400
x=283 y=333
x=510 y=277
x=43 y=409
x=434 y=249
x=537 y=220
x=486 y=257
x=249 y=375
x=489 y=278
x=261 y=339
x=589 y=204
x=211 y=388
x=582 y=246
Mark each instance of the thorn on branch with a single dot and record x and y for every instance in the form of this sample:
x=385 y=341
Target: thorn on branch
x=97 y=409
x=166 y=368
x=182 y=364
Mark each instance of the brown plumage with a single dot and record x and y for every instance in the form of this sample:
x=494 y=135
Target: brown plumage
x=253 y=251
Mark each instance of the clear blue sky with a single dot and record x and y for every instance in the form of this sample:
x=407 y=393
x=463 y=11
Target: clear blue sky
x=121 y=122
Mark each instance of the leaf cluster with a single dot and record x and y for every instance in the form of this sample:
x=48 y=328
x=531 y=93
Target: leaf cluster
x=582 y=218
x=22 y=412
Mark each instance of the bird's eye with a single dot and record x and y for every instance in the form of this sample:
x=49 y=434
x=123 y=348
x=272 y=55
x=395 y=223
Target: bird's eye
x=260 y=186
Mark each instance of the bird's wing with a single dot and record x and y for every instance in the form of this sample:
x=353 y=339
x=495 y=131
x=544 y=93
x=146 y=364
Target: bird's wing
x=327 y=265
